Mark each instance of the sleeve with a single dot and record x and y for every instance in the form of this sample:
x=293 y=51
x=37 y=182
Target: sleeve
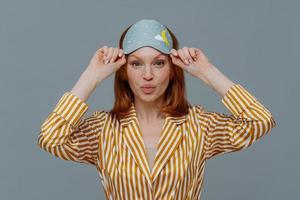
x=67 y=135
x=249 y=121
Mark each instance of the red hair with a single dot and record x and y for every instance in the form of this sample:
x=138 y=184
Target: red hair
x=175 y=102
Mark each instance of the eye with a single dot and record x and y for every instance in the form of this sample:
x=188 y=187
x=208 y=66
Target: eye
x=160 y=63
x=134 y=63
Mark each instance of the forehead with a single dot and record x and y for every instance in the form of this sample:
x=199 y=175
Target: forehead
x=147 y=52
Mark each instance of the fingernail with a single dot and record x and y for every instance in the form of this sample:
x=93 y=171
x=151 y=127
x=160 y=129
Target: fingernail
x=106 y=61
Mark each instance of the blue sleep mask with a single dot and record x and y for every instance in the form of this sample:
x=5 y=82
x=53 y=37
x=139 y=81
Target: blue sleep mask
x=147 y=32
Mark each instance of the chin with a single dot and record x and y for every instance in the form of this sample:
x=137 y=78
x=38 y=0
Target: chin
x=149 y=97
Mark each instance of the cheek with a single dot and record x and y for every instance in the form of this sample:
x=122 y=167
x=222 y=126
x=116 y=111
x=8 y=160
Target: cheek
x=132 y=79
x=164 y=76
x=130 y=74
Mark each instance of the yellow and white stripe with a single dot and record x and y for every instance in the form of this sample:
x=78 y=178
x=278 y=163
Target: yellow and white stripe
x=117 y=149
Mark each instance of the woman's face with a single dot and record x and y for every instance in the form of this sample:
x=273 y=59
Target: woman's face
x=148 y=74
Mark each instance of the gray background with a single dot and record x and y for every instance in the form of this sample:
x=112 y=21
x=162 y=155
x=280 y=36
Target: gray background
x=46 y=45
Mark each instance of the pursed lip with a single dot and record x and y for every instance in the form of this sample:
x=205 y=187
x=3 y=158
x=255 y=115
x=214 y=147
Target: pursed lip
x=148 y=86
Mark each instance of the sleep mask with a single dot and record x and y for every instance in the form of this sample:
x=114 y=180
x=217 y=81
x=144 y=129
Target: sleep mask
x=147 y=32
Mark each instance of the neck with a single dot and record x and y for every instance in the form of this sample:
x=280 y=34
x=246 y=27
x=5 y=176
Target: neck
x=148 y=111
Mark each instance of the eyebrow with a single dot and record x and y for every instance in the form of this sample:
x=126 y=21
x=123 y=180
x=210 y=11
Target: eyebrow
x=140 y=58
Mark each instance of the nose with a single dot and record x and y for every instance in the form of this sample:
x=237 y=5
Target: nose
x=147 y=73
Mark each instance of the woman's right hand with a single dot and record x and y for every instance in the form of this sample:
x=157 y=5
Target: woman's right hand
x=105 y=62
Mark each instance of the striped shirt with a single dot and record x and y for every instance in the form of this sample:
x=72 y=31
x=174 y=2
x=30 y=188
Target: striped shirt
x=117 y=149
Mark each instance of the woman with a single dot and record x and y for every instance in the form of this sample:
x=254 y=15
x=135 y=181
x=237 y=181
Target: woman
x=153 y=144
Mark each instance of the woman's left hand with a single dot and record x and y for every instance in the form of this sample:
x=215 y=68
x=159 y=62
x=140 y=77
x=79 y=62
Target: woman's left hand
x=193 y=60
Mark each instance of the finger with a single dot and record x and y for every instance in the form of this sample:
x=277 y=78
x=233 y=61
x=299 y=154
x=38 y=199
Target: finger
x=198 y=51
x=174 y=52
x=182 y=56
x=114 y=54
x=187 y=54
x=177 y=61
x=100 y=53
x=103 y=50
x=120 y=52
x=192 y=52
x=174 y=59
x=121 y=62
x=108 y=55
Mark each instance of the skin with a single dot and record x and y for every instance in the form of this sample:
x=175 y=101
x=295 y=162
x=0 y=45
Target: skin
x=149 y=66
x=146 y=68
x=107 y=60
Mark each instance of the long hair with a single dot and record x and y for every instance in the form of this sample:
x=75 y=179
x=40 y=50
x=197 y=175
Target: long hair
x=175 y=102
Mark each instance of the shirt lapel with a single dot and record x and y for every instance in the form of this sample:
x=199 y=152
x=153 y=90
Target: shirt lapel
x=169 y=140
x=170 y=137
x=134 y=141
